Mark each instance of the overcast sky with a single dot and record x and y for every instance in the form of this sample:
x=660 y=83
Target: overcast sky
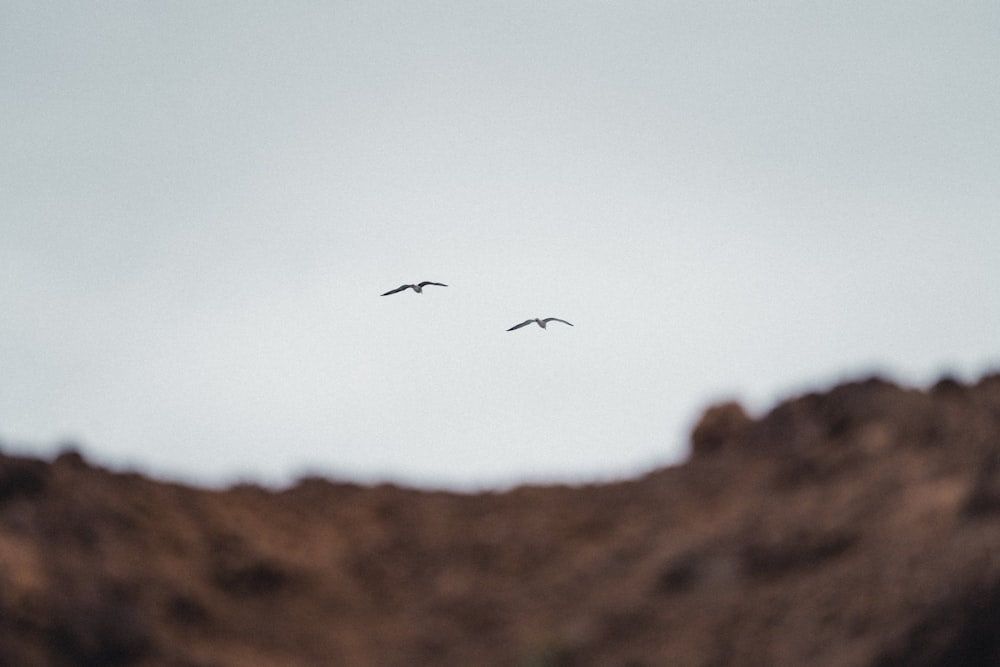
x=201 y=202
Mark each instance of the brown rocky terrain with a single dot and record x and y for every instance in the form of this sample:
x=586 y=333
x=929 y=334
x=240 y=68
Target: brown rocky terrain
x=859 y=527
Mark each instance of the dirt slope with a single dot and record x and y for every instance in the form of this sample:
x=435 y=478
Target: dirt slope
x=857 y=527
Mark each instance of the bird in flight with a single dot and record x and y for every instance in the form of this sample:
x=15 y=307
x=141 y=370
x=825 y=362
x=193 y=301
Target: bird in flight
x=418 y=288
x=539 y=322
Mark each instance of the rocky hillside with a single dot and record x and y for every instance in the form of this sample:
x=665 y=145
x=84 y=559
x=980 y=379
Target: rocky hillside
x=859 y=527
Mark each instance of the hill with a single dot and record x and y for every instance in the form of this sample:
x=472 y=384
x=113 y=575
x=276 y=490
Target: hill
x=855 y=527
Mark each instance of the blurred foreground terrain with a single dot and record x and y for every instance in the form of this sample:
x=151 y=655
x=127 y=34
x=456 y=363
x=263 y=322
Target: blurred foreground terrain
x=856 y=527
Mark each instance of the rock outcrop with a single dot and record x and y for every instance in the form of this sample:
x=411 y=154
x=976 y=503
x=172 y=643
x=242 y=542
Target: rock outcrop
x=857 y=527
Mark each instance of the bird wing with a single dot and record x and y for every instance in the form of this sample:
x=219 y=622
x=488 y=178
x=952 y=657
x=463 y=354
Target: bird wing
x=518 y=326
x=550 y=319
x=428 y=282
x=398 y=289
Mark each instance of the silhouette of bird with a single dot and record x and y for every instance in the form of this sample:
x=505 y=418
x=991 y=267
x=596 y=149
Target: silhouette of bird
x=418 y=288
x=539 y=322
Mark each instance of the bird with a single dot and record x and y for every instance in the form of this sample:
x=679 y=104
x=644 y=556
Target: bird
x=539 y=322
x=418 y=288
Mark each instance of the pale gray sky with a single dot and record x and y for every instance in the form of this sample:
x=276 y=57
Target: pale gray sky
x=200 y=204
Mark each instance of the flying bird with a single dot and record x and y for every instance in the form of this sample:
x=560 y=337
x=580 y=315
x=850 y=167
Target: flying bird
x=539 y=322
x=418 y=288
